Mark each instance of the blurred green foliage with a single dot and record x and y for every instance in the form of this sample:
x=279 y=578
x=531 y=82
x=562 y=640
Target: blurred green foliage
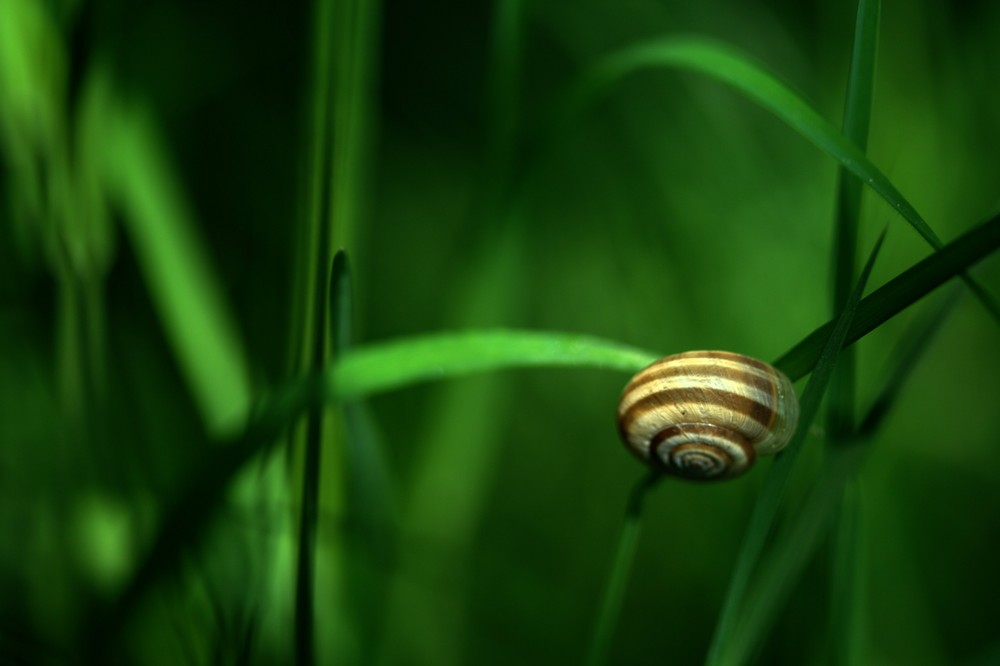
x=155 y=178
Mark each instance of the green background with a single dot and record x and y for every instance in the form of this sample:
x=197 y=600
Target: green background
x=671 y=215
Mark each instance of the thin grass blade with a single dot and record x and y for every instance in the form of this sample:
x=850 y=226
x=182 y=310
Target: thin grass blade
x=792 y=552
x=906 y=356
x=848 y=608
x=614 y=594
x=370 y=502
x=766 y=507
x=898 y=294
x=737 y=70
x=857 y=116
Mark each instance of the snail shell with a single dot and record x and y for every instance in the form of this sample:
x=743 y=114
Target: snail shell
x=707 y=414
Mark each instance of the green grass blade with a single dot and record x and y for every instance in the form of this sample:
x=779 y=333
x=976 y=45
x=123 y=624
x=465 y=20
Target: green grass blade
x=198 y=322
x=766 y=507
x=905 y=358
x=848 y=607
x=857 y=116
x=370 y=502
x=614 y=594
x=386 y=366
x=898 y=294
x=791 y=553
x=728 y=66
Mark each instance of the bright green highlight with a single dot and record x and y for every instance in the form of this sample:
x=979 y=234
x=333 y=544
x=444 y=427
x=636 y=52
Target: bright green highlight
x=178 y=272
x=385 y=366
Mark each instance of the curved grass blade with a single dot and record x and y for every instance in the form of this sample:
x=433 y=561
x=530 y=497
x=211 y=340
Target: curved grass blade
x=857 y=116
x=766 y=507
x=898 y=294
x=728 y=66
x=390 y=365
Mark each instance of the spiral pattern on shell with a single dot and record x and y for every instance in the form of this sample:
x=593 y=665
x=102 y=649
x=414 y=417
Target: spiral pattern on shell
x=707 y=414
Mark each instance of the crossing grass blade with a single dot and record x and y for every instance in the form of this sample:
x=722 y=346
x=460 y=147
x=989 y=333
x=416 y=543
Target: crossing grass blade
x=728 y=66
x=393 y=365
x=766 y=507
x=906 y=355
x=857 y=116
x=792 y=551
x=898 y=294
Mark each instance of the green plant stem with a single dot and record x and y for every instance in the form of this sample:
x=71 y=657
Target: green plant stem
x=766 y=508
x=857 y=117
x=847 y=606
x=614 y=594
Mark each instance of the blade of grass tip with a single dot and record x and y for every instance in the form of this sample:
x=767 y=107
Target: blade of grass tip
x=305 y=574
x=906 y=355
x=370 y=501
x=611 y=604
x=738 y=71
x=857 y=116
x=766 y=507
x=898 y=294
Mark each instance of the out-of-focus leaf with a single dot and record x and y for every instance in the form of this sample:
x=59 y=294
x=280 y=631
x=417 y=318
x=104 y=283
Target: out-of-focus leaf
x=739 y=71
x=722 y=649
x=178 y=272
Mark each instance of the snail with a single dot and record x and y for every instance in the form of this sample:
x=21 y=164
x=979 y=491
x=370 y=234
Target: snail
x=707 y=415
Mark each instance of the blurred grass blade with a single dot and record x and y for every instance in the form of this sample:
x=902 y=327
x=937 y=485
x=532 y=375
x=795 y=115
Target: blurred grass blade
x=774 y=582
x=857 y=116
x=178 y=272
x=390 y=365
x=906 y=355
x=188 y=514
x=728 y=66
x=791 y=553
x=370 y=503
x=614 y=594
x=766 y=507
x=848 y=607
x=898 y=294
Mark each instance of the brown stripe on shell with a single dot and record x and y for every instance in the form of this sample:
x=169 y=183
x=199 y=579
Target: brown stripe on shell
x=765 y=415
x=651 y=374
